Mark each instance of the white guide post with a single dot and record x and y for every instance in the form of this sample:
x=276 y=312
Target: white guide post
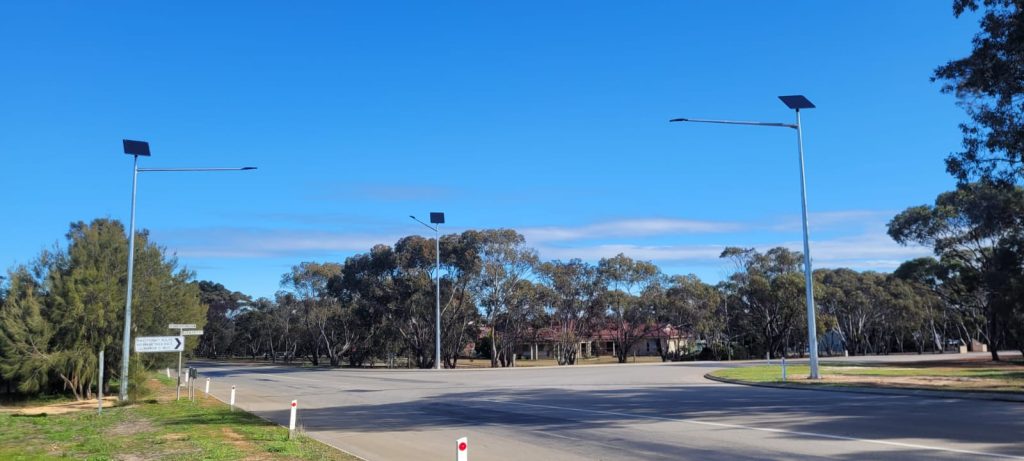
x=291 y=419
x=462 y=449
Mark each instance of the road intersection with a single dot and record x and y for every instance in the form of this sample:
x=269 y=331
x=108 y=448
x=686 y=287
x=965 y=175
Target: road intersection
x=649 y=411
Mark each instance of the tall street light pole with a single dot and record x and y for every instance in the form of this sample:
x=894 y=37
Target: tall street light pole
x=436 y=219
x=137 y=149
x=795 y=102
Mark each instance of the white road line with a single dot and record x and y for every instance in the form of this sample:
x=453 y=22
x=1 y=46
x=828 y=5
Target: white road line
x=762 y=429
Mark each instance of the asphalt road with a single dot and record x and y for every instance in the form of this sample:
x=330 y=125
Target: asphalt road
x=645 y=411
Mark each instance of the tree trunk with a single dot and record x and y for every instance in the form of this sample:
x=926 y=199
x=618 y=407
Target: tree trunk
x=494 y=348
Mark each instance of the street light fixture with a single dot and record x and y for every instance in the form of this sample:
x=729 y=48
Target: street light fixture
x=436 y=218
x=137 y=149
x=795 y=102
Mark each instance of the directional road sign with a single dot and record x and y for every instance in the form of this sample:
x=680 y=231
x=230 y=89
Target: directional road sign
x=181 y=326
x=159 y=344
x=191 y=332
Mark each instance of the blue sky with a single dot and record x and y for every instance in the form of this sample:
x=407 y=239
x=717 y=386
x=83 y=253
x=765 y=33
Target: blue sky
x=547 y=118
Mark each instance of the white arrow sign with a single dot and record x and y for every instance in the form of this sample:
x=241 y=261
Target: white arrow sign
x=159 y=344
x=192 y=332
x=181 y=326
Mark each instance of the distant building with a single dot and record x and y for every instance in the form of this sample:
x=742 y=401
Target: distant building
x=546 y=342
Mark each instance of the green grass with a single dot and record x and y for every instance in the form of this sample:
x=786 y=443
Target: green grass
x=167 y=430
x=957 y=376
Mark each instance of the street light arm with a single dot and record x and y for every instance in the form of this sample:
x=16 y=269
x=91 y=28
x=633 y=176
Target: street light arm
x=428 y=226
x=244 y=168
x=734 y=122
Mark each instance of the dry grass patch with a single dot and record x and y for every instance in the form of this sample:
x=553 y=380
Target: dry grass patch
x=959 y=375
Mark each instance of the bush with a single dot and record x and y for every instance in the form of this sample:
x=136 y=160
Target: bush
x=137 y=377
x=483 y=347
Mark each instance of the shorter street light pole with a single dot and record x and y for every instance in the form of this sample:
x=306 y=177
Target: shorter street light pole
x=137 y=149
x=795 y=102
x=436 y=219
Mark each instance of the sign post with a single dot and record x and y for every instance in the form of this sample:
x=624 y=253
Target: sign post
x=181 y=327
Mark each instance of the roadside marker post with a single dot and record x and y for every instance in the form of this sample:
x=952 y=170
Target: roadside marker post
x=291 y=420
x=462 y=449
x=99 y=386
x=168 y=372
x=783 y=367
x=232 y=403
x=207 y=389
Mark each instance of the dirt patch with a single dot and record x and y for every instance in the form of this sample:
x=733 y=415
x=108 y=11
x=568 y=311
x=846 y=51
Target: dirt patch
x=174 y=437
x=131 y=427
x=134 y=457
x=69 y=407
x=925 y=382
x=252 y=452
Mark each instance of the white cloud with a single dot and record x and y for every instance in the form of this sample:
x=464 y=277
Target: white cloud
x=867 y=248
x=234 y=243
x=866 y=251
x=627 y=228
x=656 y=253
x=834 y=219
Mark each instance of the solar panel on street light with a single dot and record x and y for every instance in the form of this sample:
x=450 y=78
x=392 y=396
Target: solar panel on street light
x=797 y=102
x=136 y=147
x=436 y=218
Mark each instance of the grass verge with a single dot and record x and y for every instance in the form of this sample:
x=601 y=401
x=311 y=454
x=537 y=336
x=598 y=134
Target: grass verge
x=983 y=376
x=159 y=428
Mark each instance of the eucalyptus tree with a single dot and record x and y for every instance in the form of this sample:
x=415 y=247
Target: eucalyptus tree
x=222 y=304
x=906 y=315
x=460 y=318
x=414 y=297
x=988 y=84
x=697 y=308
x=854 y=301
x=973 y=230
x=768 y=296
x=630 y=319
x=934 y=296
x=574 y=292
x=505 y=262
x=319 y=312
x=523 y=314
x=249 y=338
x=369 y=315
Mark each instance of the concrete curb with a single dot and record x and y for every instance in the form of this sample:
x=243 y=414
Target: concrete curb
x=927 y=393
